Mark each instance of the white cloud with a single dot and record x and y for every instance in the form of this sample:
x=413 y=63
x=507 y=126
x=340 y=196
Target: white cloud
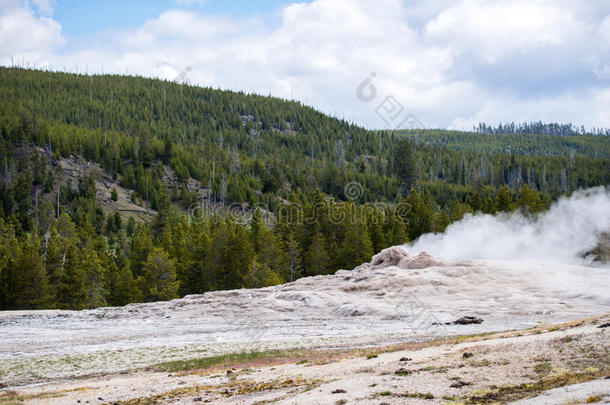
x=447 y=62
x=604 y=32
x=493 y=29
x=26 y=37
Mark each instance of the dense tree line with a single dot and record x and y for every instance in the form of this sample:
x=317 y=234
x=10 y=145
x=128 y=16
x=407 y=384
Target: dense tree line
x=73 y=266
x=60 y=249
x=572 y=146
x=539 y=128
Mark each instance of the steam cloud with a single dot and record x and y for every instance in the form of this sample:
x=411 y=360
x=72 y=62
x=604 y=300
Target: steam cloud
x=569 y=229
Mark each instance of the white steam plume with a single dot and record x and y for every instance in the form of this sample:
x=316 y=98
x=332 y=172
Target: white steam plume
x=563 y=234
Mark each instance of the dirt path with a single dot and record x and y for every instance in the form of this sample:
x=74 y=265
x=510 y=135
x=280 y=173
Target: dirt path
x=493 y=368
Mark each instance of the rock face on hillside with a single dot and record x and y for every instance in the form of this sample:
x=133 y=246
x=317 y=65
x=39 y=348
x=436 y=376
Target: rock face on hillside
x=397 y=296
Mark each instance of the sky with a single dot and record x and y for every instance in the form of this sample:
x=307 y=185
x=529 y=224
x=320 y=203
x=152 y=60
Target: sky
x=380 y=64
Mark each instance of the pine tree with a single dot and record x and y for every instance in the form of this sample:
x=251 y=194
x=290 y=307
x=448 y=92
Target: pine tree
x=71 y=288
x=123 y=288
x=294 y=258
x=131 y=226
x=488 y=206
x=317 y=257
x=530 y=200
x=94 y=278
x=196 y=279
x=375 y=230
x=356 y=247
x=504 y=199
x=474 y=200
x=230 y=256
x=260 y=275
x=9 y=250
x=395 y=229
x=31 y=282
x=268 y=248
x=158 y=280
x=141 y=246
x=405 y=164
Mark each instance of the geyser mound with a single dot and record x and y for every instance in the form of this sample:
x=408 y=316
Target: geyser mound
x=399 y=256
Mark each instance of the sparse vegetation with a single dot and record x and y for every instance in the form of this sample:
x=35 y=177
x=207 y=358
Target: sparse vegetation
x=515 y=392
x=13 y=397
x=542 y=368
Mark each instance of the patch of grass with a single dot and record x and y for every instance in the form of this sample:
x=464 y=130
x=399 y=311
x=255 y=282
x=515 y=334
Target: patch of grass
x=341 y=402
x=443 y=369
x=225 y=359
x=13 y=397
x=542 y=368
x=420 y=395
x=476 y=335
x=402 y=372
x=515 y=392
x=311 y=386
x=240 y=387
x=268 y=358
x=594 y=398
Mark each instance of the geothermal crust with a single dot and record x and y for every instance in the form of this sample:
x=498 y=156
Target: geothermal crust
x=396 y=297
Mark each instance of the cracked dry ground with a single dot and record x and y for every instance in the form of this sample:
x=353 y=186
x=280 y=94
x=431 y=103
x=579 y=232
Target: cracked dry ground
x=490 y=368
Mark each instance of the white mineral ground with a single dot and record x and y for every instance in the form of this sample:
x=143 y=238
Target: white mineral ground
x=395 y=298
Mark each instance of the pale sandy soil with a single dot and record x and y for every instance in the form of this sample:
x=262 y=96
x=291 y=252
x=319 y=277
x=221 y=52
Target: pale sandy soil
x=567 y=354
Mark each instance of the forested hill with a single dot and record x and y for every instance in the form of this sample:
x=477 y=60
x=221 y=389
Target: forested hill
x=115 y=189
x=272 y=145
